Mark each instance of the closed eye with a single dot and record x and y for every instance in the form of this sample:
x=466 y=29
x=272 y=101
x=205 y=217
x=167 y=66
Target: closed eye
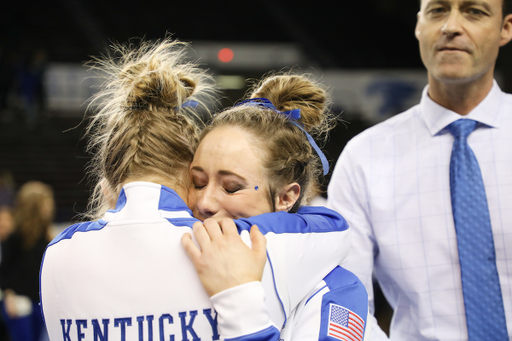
x=233 y=188
x=199 y=178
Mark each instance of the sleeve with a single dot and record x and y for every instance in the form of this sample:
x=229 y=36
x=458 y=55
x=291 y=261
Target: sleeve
x=348 y=195
x=302 y=249
x=337 y=309
x=243 y=315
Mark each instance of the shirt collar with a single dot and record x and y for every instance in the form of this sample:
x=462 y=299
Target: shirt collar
x=147 y=199
x=486 y=112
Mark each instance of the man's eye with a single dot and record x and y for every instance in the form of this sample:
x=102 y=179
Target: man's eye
x=436 y=11
x=476 y=12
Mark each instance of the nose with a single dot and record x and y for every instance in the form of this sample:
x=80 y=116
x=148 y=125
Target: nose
x=207 y=204
x=453 y=24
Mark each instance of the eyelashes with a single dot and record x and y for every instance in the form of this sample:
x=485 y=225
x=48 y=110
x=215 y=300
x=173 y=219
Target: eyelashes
x=233 y=188
x=229 y=188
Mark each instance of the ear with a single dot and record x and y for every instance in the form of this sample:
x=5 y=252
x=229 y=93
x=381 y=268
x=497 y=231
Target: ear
x=417 y=30
x=506 y=30
x=287 y=197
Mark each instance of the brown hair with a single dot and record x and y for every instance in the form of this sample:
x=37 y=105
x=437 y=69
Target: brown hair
x=506 y=7
x=288 y=155
x=34 y=209
x=140 y=127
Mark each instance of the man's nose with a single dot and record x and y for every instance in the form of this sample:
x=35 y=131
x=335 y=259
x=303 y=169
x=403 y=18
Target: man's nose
x=453 y=24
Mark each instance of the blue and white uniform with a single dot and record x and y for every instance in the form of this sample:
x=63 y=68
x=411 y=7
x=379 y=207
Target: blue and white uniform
x=337 y=308
x=126 y=276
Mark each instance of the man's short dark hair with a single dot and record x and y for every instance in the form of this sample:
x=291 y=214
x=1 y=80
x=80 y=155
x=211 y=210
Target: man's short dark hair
x=506 y=8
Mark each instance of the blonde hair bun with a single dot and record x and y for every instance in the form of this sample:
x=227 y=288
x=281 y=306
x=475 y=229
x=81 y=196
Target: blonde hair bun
x=151 y=85
x=148 y=76
x=289 y=91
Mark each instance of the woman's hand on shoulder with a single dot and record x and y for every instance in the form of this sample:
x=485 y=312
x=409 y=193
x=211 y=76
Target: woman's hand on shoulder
x=223 y=260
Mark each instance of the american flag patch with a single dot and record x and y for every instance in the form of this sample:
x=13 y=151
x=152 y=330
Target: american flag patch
x=344 y=324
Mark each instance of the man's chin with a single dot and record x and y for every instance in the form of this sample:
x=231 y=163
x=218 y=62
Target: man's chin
x=454 y=76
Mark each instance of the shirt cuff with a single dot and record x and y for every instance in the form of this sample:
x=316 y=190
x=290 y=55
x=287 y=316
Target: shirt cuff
x=241 y=310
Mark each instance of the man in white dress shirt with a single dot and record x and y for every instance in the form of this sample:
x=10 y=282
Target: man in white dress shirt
x=392 y=181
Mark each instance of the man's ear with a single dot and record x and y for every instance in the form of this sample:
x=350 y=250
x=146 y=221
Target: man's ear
x=417 y=30
x=287 y=197
x=506 y=30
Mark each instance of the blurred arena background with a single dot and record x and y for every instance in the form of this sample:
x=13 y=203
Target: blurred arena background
x=364 y=50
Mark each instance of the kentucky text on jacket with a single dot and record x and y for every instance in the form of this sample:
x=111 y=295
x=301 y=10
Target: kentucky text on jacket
x=101 y=329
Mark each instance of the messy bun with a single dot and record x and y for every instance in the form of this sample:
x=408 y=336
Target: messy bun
x=288 y=92
x=149 y=86
x=140 y=126
x=288 y=156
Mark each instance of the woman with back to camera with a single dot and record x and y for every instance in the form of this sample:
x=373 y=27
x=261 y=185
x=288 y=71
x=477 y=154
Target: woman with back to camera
x=114 y=278
x=22 y=252
x=125 y=275
x=259 y=157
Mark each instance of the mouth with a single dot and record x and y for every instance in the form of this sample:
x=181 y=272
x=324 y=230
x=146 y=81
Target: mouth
x=451 y=49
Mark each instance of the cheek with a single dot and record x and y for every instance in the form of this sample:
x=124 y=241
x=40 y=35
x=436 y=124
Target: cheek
x=426 y=49
x=254 y=204
x=235 y=207
x=490 y=50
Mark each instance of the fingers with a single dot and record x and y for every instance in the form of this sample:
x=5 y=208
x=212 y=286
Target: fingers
x=202 y=236
x=222 y=260
x=259 y=242
x=229 y=227
x=191 y=249
x=210 y=231
x=213 y=228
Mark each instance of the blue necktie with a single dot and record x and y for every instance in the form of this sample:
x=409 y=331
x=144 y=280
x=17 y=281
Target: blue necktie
x=485 y=315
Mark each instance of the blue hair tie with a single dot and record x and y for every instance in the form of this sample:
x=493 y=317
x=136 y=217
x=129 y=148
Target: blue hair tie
x=191 y=104
x=292 y=115
x=188 y=104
